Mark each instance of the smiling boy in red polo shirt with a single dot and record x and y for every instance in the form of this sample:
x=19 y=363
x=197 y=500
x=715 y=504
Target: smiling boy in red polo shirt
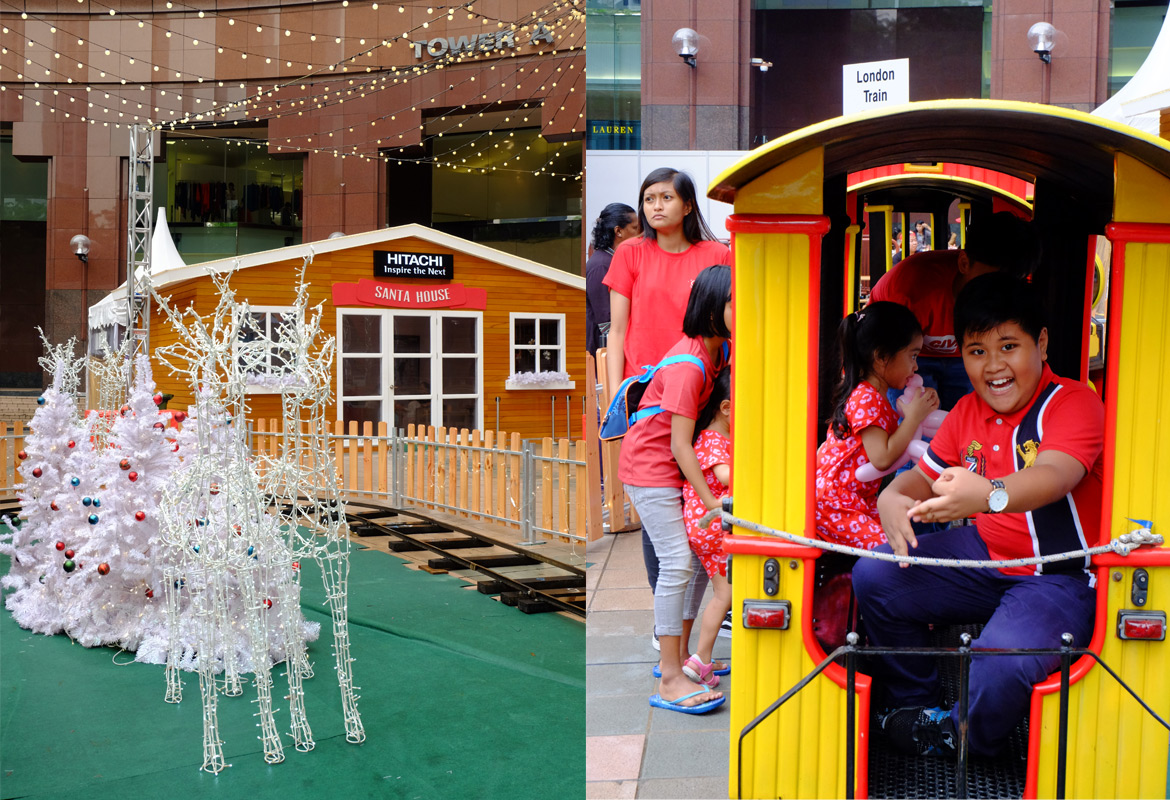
x=1021 y=455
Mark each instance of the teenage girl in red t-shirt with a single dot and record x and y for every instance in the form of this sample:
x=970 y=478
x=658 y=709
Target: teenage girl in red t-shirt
x=650 y=280
x=658 y=457
x=878 y=347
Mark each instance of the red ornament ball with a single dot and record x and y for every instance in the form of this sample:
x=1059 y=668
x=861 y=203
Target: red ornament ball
x=103 y=568
x=179 y=416
x=53 y=505
x=296 y=565
x=267 y=603
x=159 y=426
x=175 y=449
x=60 y=545
x=140 y=515
x=124 y=463
x=122 y=411
x=69 y=554
x=215 y=488
x=37 y=472
x=157 y=399
x=133 y=476
x=22 y=455
x=72 y=443
x=150 y=592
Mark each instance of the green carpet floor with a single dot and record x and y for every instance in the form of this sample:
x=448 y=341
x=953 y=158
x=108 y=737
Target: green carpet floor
x=460 y=696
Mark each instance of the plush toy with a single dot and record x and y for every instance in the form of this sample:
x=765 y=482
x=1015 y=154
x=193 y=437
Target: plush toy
x=929 y=427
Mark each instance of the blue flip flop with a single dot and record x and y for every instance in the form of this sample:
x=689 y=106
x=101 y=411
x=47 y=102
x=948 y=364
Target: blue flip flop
x=702 y=708
x=657 y=671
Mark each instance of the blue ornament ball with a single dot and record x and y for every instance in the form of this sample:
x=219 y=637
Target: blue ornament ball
x=250 y=548
x=93 y=519
x=87 y=501
x=40 y=401
x=75 y=481
x=97 y=503
x=195 y=547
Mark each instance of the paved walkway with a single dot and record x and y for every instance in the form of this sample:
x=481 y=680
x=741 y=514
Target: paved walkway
x=633 y=750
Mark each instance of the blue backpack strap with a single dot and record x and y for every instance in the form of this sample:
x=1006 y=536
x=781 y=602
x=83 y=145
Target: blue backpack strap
x=684 y=358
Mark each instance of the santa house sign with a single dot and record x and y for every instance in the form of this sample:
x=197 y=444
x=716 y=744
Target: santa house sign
x=376 y=293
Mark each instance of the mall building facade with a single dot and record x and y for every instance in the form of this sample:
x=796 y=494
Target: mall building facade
x=765 y=68
x=282 y=123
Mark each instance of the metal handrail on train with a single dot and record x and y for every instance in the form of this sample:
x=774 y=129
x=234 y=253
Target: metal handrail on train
x=964 y=653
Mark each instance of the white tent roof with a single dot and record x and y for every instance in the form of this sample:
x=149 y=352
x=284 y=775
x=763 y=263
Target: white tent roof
x=167 y=267
x=112 y=309
x=1139 y=102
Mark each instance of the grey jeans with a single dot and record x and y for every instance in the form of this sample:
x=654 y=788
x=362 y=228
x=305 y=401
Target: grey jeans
x=661 y=510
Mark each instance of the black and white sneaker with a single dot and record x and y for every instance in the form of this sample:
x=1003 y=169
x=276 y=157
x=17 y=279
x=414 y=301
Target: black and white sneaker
x=919 y=731
x=725 y=627
x=654 y=640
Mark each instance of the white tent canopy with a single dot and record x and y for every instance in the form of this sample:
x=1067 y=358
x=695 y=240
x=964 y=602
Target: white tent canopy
x=113 y=308
x=1140 y=101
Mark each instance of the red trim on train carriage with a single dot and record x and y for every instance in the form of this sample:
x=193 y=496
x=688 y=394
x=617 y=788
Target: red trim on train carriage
x=810 y=224
x=1151 y=232
x=778 y=548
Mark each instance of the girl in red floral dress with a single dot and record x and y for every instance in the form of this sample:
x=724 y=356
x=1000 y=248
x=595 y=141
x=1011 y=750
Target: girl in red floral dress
x=879 y=348
x=713 y=449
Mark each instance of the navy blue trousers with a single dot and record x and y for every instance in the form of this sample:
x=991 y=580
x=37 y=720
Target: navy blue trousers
x=897 y=604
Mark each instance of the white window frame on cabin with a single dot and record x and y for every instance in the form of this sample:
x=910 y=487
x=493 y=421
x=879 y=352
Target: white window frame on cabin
x=537 y=346
x=268 y=311
x=435 y=355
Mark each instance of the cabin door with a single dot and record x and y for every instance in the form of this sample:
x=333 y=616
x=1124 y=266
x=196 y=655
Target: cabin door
x=411 y=367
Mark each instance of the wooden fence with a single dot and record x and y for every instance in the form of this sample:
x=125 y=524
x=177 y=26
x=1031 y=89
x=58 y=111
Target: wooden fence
x=616 y=509
x=539 y=487
x=11 y=443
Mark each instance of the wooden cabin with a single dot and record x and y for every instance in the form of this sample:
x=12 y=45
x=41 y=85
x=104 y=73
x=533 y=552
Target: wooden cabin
x=431 y=329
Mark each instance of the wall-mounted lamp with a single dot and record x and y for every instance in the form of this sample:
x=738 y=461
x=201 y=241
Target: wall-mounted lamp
x=1042 y=37
x=763 y=65
x=80 y=246
x=686 y=44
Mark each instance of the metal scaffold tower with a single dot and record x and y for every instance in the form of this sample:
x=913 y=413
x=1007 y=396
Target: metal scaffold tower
x=139 y=221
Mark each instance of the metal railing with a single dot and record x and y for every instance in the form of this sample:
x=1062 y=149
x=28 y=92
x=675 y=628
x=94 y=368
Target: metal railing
x=851 y=652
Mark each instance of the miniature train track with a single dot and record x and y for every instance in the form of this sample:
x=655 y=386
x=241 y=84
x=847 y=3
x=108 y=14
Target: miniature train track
x=563 y=591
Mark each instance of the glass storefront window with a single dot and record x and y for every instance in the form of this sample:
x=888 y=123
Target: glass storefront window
x=24 y=188
x=613 y=74
x=229 y=197
x=1132 y=31
x=522 y=194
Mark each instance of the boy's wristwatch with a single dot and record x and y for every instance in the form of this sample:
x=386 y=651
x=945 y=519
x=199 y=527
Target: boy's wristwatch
x=998 y=499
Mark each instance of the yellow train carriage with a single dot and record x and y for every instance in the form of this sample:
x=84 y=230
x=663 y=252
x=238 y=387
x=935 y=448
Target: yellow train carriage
x=796 y=249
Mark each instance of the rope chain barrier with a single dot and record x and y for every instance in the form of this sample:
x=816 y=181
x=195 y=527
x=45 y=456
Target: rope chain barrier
x=1122 y=546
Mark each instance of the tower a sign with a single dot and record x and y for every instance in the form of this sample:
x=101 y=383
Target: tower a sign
x=450 y=46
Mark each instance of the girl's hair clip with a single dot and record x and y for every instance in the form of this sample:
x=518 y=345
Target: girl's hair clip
x=860 y=315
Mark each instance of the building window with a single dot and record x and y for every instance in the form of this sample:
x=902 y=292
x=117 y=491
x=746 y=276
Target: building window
x=538 y=352
x=258 y=352
x=410 y=367
x=228 y=198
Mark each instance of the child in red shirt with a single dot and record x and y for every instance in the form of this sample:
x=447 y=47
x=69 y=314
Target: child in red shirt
x=1022 y=456
x=713 y=450
x=657 y=458
x=878 y=348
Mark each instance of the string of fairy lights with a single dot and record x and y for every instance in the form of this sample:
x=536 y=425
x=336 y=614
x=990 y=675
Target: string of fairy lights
x=264 y=103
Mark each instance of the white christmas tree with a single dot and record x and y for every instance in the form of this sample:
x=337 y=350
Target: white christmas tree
x=112 y=595
x=42 y=543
